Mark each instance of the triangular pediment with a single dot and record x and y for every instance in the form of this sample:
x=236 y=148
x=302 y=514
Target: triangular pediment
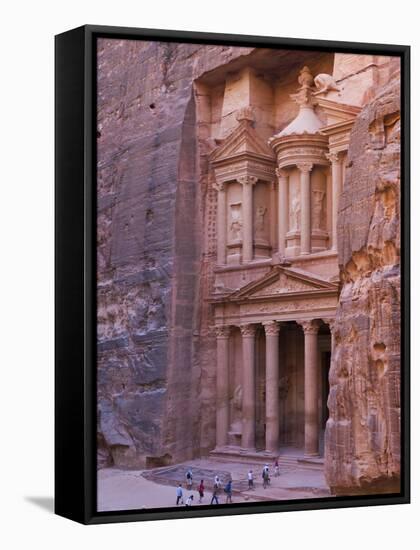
x=283 y=281
x=243 y=140
x=335 y=112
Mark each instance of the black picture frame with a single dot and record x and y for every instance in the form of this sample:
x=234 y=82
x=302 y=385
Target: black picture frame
x=75 y=264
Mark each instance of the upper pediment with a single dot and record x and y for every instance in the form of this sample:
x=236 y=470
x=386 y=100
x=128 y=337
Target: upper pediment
x=243 y=140
x=336 y=112
x=282 y=281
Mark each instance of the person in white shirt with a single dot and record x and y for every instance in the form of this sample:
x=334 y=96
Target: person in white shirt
x=250 y=480
x=189 y=500
x=179 y=495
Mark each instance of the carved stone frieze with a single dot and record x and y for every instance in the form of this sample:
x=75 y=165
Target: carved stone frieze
x=289 y=306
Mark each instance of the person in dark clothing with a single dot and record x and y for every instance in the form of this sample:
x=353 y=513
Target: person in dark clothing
x=214 y=497
x=228 y=491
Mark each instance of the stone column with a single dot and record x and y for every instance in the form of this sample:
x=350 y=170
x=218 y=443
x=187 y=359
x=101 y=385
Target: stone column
x=221 y=223
x=247 y=183
x=272 y=422
x=330 y=322
x=310 y=329
x=305 y=207
x=222 y=386
x=337 y=177
x=273 y=215
x=248 y=386
x=283 y=209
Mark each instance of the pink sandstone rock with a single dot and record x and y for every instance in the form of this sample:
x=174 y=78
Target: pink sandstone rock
x=362 y=452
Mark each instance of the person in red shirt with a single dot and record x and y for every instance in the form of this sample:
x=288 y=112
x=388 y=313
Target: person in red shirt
x=201 y=491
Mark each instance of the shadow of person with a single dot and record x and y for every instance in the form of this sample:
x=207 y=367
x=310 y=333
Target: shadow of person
x=46 y=503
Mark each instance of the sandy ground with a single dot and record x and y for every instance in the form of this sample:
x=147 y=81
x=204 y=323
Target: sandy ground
x=128 y=489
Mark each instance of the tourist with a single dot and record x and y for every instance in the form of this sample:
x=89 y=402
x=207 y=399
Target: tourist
x=215 y=493
x=217 y=481
x=250 y=480
x=276 y=468
x=189 y=500
x=179 y=496
x=189 y=479
x=266 y=476
x=201 y=491
x=228 y=491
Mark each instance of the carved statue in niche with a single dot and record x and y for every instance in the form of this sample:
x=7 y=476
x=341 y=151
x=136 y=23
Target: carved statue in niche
x=236 y=425
x=295 y=213
x=317 y=208
x=259 y=220
x=235 y=227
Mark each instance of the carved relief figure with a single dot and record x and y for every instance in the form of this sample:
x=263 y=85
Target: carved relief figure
x=235 y=227
x=259 y=220
x=324 y=83
x=295 y=213
x=236 y=401
x=317 y=206
x=237 y=398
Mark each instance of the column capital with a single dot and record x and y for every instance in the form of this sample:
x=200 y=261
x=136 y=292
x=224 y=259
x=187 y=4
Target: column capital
x=222 y=331
x=330 y=321
x=305 y=167
x=272 y=328
x=219 y=186
x=247 y=180
x=333 y=157
x=310 y=327
x=248 y=330
x=281 y=173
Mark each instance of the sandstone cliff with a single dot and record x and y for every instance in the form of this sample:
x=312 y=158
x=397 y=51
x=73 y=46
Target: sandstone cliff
x=148 y=270
x=363 y=430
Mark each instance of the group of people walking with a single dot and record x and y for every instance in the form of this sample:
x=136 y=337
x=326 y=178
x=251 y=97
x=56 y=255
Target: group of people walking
x=265 y=474
x=217 y=486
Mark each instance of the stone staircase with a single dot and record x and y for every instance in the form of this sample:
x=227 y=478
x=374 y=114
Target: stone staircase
x=289 y=460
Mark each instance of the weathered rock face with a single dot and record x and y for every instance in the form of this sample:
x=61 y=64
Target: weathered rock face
x=363 y=431
x=148 y=405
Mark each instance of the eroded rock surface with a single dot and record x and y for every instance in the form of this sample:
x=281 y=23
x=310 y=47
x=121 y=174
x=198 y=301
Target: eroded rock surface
x=148 y=411
x=363 y=431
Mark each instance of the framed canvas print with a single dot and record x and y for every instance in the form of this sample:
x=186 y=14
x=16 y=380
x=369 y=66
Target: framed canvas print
x=232 y=299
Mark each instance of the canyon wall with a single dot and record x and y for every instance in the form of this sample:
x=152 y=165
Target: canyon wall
x=148 y=259
x=362 y=452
